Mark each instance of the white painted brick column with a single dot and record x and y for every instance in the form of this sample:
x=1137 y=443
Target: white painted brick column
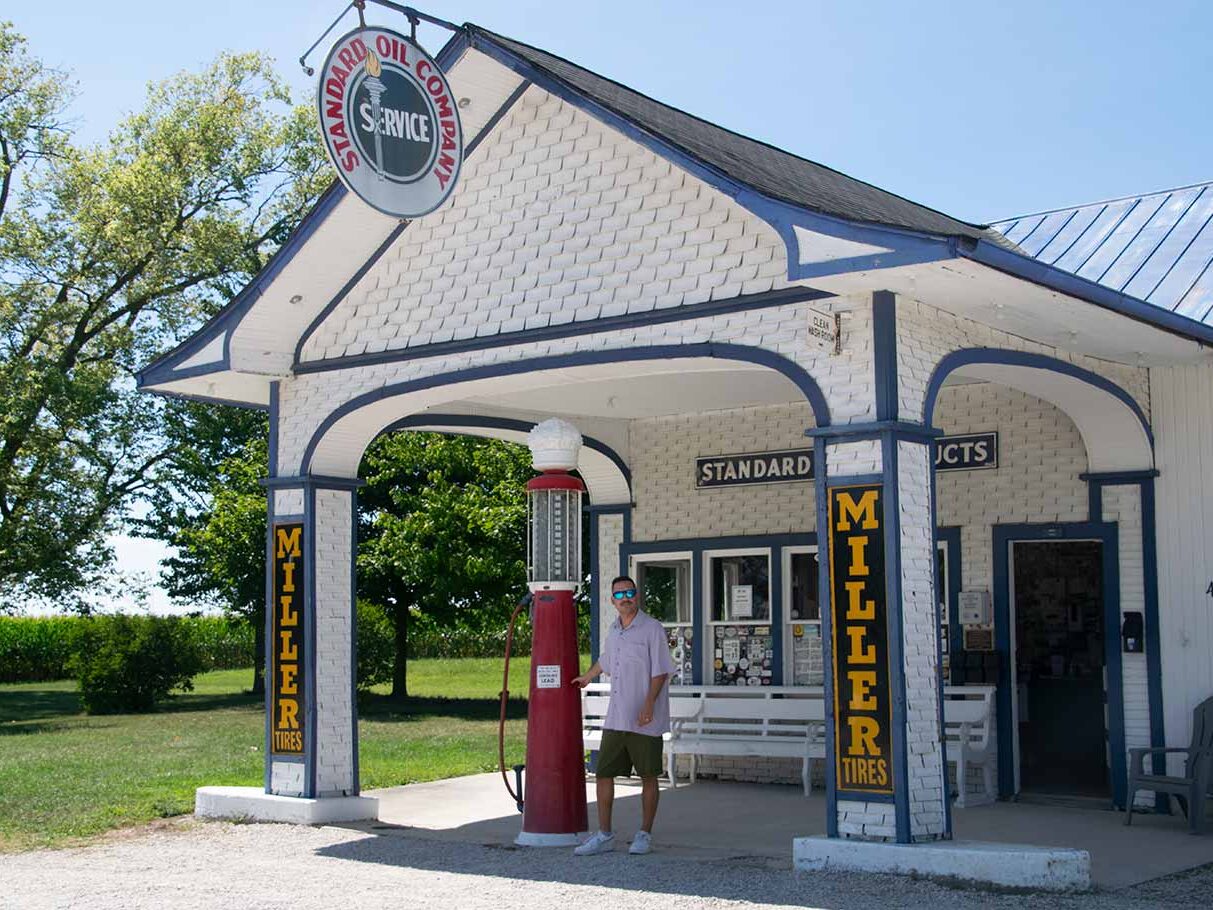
x=329 y=765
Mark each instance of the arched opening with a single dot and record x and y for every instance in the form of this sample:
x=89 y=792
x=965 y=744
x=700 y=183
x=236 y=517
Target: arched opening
x=1044 y=556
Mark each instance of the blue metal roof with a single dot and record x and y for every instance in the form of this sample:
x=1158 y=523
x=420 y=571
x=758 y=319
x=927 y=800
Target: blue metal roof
x=1157 y=248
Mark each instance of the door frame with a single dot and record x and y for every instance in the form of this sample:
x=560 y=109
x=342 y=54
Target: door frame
x=1004 y=537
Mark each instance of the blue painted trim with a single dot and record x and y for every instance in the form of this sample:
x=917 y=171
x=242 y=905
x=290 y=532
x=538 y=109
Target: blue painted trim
x=1056 y=279
x=682 y=313
x=272 y=445
x=312 y=737
x=307 y=481
x=1113 y=478
x=356 y=774
x=872 y=430
x=396 y=231
x=884 y=353
x=969 y=356
x=775 y=587
x=468 y=421
x=1149 y=553
x=269 y=632
x=698 y=617
x=793 y=371
x=1144 y=480
x=1094 y=502
x=205 y=399
x=847 y=480
x=821 y=502
x=895 y=620
x=1106 y=533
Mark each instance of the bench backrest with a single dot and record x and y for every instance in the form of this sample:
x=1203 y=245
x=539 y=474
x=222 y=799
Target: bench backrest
x=968 y=714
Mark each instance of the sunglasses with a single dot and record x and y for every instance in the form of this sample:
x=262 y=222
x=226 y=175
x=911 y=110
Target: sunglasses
x=626 y=594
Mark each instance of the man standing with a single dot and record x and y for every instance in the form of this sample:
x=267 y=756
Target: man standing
x=637 y=658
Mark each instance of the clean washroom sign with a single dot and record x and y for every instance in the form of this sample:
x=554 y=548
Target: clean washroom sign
x=390 y=122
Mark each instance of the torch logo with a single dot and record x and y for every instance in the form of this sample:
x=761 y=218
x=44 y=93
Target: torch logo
x=390 y=121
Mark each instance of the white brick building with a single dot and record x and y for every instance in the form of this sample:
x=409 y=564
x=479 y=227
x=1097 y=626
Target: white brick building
x=653 y=278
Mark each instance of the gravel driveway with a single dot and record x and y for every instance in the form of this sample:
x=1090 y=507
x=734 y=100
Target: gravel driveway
x=185 y=863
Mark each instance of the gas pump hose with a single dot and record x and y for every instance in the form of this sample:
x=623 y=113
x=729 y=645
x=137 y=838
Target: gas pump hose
x=505 y=694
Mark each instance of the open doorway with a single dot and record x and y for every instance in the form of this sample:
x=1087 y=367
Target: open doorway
x=1059 y=667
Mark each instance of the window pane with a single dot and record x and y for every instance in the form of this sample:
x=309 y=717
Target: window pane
x=804 y=587
x=741 y=589
x=807 y=666
x=682 y=645
x=666 y=589
x=742 y=655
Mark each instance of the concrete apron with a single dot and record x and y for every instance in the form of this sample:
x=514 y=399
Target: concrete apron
x=721 y=820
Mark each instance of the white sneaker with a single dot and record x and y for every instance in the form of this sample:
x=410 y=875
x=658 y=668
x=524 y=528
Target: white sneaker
x=641 y=843
x=599 y=842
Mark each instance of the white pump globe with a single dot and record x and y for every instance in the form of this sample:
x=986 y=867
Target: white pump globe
x=555 y=445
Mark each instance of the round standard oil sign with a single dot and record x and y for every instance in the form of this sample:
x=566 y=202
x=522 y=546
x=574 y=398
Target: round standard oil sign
x=390 y=122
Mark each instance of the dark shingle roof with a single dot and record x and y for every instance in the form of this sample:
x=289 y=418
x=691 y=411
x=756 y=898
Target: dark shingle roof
x=769 y=170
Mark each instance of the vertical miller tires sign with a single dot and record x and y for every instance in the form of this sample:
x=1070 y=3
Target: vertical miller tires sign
x=863 y=719
x=286 y=644
x=390 y=122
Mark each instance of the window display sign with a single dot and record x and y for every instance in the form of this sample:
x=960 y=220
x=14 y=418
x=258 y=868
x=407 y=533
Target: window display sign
x=793 y=465
x=862 y=702
x=966 y=453
x=286 y=641
x=741 y=598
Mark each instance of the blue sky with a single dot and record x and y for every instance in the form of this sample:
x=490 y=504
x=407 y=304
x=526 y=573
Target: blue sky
x=982 y=110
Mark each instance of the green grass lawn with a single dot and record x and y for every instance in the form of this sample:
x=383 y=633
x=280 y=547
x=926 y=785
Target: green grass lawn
x=65 y=775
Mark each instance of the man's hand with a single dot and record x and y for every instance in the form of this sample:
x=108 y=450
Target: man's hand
x=646 y=714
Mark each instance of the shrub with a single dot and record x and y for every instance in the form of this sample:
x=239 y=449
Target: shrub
x=130 y=663
x=376 y=645
x=226 y=644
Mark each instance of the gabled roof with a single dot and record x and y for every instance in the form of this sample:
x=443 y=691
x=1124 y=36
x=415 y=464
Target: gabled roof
x=769 y=170
x=1157 y=247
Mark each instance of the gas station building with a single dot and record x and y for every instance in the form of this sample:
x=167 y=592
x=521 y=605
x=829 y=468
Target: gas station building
x=756 y=349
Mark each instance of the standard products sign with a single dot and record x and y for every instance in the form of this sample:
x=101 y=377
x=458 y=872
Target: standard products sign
x=759 y=467
x=390 y=122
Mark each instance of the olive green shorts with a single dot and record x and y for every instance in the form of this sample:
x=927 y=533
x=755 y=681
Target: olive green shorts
x=622 y=750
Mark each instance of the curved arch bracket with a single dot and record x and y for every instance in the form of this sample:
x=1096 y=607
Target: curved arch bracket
x=354 y=424
x=1112 y=424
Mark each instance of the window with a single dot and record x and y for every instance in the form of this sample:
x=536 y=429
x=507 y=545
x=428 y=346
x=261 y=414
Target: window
x=739 y=624
x=803 y=664
x=665 y=588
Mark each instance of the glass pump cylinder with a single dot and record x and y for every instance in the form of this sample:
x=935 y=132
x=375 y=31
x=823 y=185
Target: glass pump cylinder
x=554 y=531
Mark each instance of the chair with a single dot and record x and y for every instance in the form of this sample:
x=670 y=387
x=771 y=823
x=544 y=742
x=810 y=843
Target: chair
x=1198 y=771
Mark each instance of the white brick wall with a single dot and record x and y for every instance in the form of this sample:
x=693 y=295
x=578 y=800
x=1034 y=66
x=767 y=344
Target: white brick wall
x=610 y=537
x=288 y=502
x=556 y=217
x=861 y=457
x=286 y=778
x=333 y=645
x=869 y=821
x=926 y=334
x=1041 y=456
x=668 y=504
x=1123 y=506
x=920 y=641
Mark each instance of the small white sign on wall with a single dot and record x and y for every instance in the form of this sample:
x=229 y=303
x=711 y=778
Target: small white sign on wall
x=547 y=676
x=742 y=599
x=824 y=331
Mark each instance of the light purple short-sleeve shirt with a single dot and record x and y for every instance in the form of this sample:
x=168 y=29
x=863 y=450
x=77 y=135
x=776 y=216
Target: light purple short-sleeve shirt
x=632 y=657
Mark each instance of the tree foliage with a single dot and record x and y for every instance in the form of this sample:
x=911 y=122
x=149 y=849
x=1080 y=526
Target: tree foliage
x=442 y=531
x=108 y=255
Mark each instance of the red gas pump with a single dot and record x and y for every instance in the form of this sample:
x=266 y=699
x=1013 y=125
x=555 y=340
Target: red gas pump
x=554 y=808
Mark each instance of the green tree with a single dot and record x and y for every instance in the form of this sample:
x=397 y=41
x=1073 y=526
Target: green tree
x=108 y=255
x=442 y=532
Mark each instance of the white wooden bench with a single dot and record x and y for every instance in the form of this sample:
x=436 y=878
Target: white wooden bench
x=789 y=721
x=968 y=722
x=772 y=721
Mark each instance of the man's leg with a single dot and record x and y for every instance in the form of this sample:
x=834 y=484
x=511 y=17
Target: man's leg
x=648 y=801
x=606 y=798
